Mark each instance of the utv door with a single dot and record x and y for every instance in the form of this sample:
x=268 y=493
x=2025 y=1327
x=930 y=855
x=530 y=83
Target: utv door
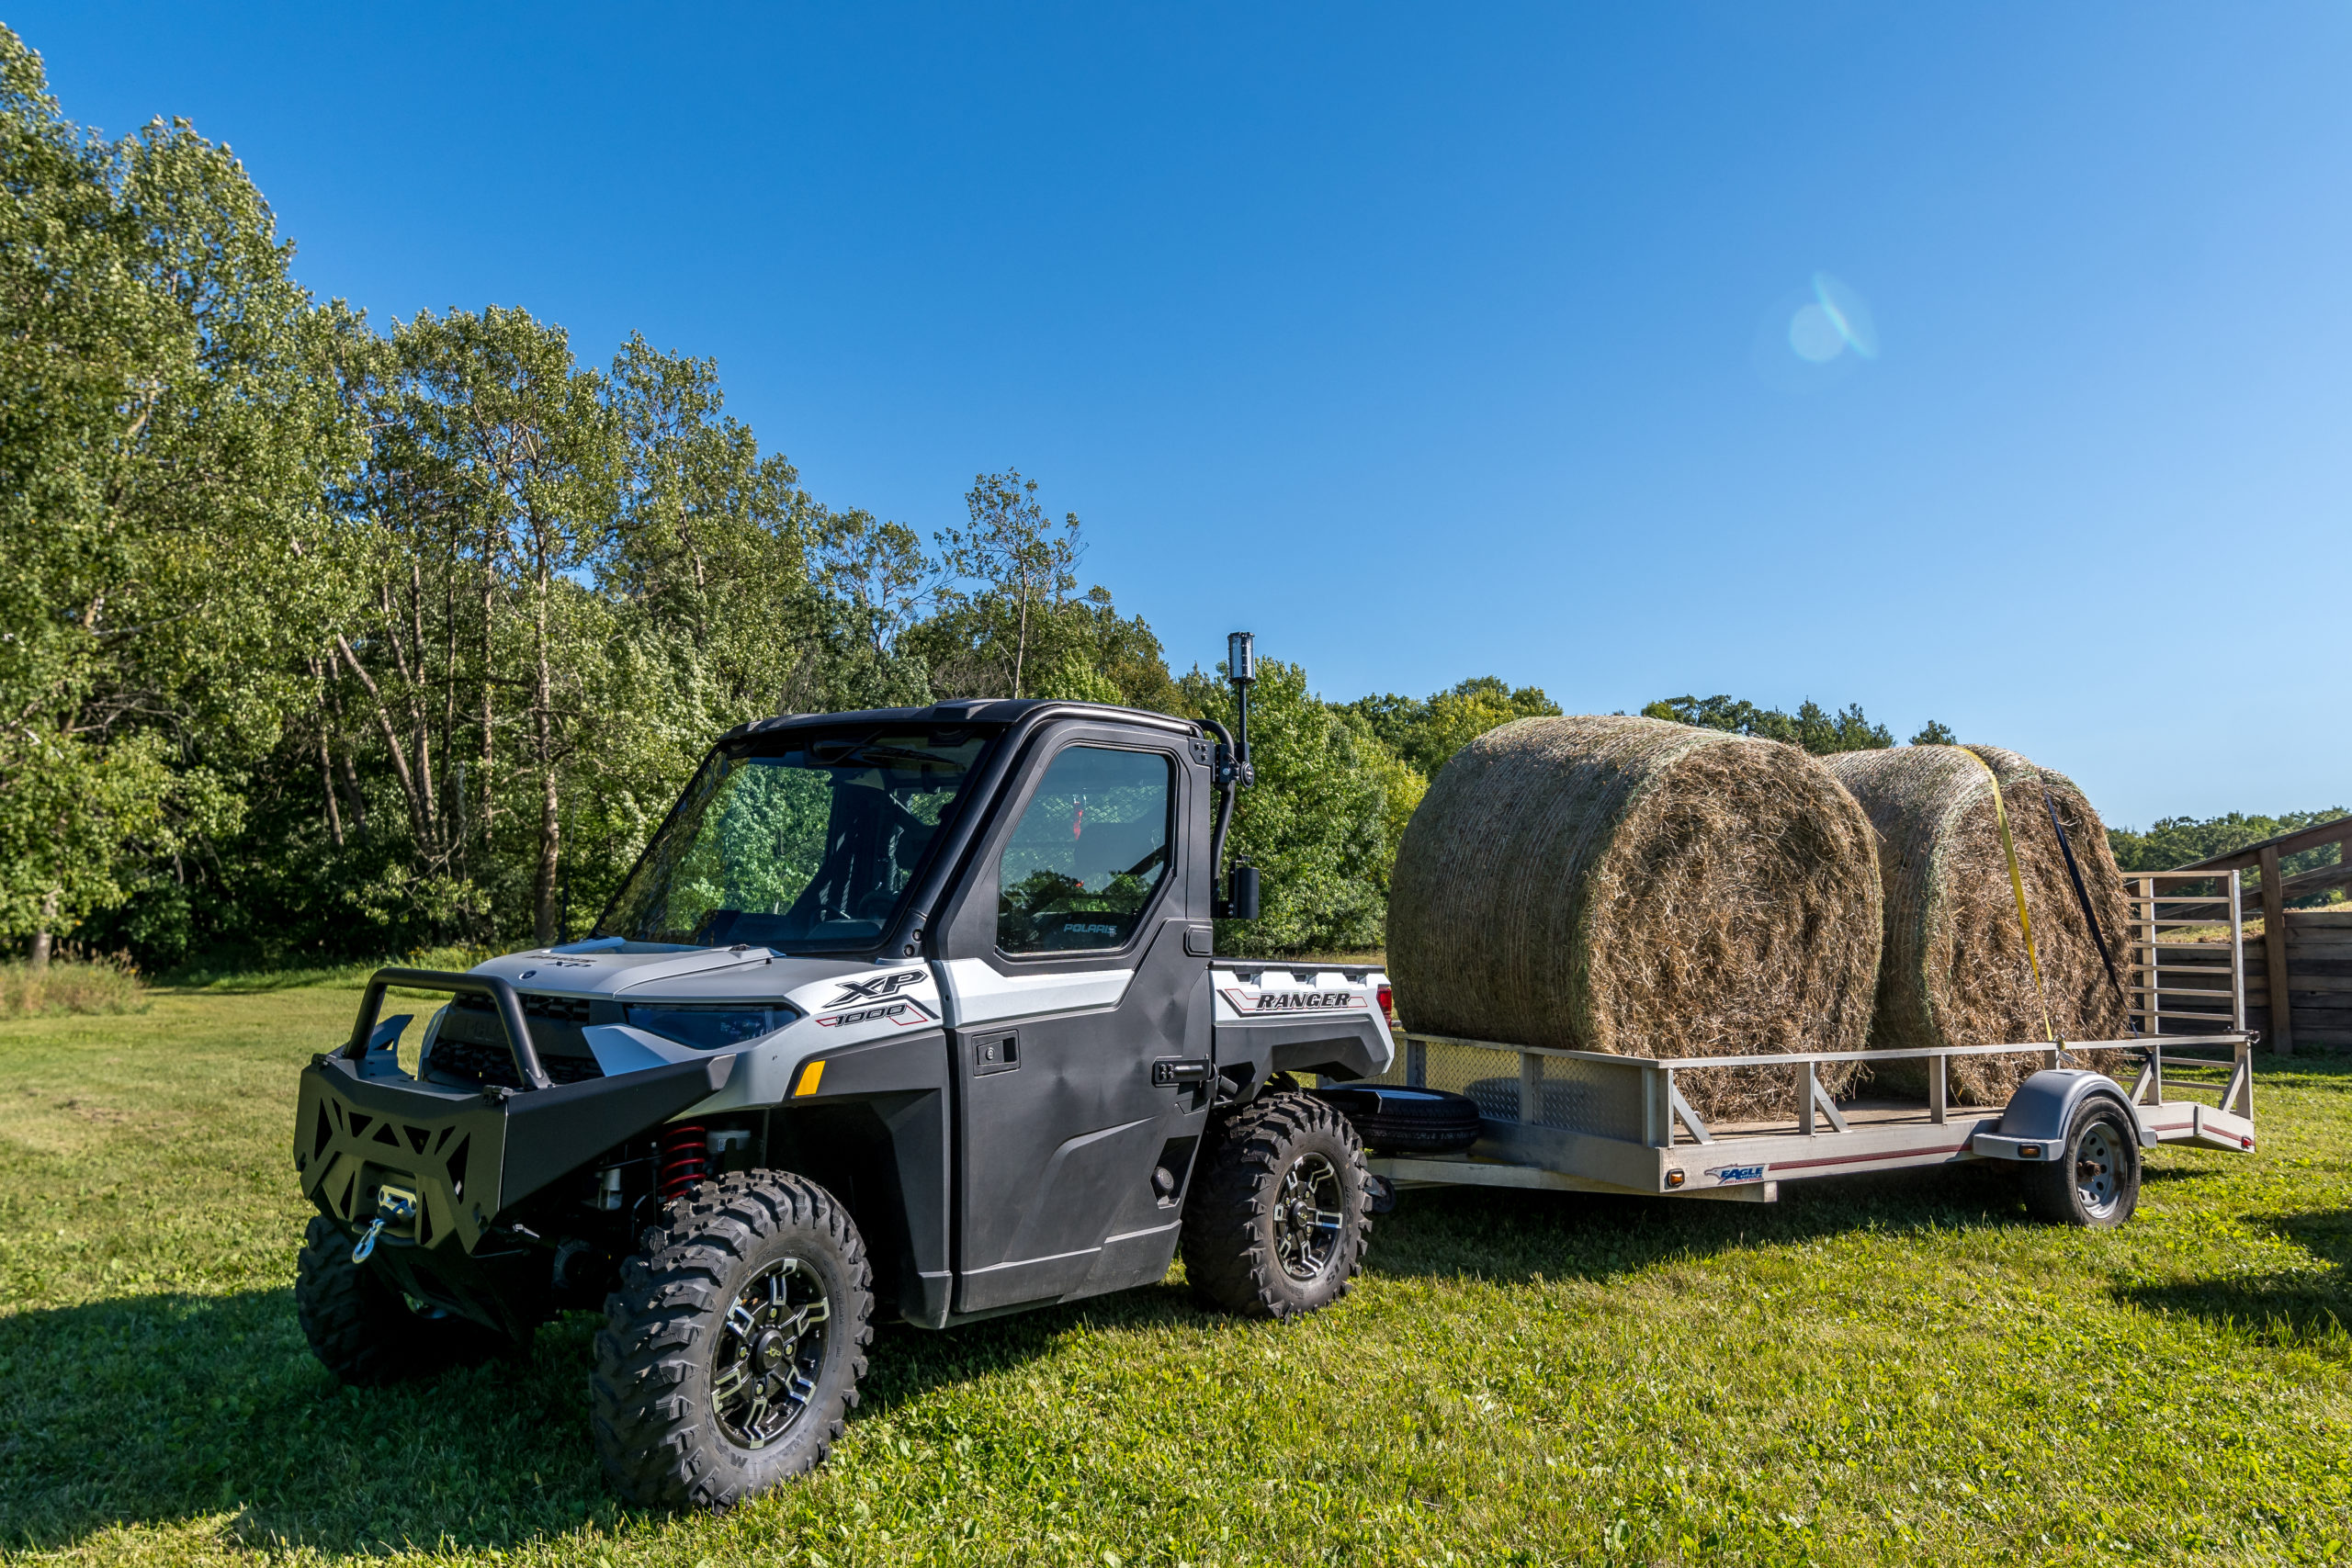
x=1078 y=994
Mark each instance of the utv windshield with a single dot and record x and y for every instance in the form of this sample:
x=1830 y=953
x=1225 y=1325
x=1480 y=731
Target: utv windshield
x=804 y=843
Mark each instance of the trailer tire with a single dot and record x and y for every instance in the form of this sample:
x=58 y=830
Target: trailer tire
x=1279 y=1217
x=2096 y=1183
x=1406 y=1121
x=364 y=1330
x=708 y=1340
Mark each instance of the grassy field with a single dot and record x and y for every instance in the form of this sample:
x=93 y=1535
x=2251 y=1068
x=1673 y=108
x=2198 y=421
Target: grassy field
x=1892 y=1369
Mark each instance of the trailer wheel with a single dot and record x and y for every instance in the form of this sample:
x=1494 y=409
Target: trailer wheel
x=732 y=1349
x=364 y=1331
x=1279 y=1216
x=2096 y=1183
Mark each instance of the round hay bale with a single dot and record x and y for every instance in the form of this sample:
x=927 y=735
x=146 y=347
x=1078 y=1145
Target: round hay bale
x=1643 y=888
x=1954 y=971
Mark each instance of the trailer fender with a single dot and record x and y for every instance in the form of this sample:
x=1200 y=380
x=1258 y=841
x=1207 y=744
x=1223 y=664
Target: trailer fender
x=2035 y=1122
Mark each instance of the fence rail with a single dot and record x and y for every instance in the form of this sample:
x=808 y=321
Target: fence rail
x=2320 y=930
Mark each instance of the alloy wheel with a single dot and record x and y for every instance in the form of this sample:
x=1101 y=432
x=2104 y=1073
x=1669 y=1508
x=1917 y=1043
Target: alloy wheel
x=770 y=1349
x=1308 y=1217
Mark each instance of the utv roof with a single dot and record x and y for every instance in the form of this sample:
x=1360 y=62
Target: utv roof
x=966 y=710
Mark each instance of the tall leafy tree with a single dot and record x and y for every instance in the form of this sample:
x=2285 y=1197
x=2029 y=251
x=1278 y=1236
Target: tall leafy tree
x=1006 y=620
x=1313 y=824
x=1006 y=574
x=165 y=443
x=1426 y=734
x=496 y=471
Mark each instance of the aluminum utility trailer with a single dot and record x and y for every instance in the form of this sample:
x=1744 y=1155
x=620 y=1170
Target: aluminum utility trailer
x=1584 y=1122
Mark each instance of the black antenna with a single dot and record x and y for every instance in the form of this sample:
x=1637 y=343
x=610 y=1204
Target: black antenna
x=1240 y=900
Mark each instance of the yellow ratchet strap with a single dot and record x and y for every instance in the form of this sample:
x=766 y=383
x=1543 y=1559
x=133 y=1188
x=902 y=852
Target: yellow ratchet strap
x=2017 y=887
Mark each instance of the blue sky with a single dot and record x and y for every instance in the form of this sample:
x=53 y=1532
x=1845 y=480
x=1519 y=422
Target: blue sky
x=1431 y=343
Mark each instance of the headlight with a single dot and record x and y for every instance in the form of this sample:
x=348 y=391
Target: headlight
x=707 y=1028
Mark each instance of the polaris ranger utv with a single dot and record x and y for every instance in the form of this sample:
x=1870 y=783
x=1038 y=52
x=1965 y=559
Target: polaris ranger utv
x=909 y=1011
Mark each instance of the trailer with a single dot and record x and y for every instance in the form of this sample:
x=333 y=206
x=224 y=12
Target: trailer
x=1585 y=1121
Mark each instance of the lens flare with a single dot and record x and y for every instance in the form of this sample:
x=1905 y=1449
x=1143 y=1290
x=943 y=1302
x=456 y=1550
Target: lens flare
x=1815 y=336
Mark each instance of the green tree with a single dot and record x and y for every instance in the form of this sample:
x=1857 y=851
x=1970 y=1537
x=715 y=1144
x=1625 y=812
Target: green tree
x=1007 y=575
x=1812 y=726
x=1006 y=620
x=497 y=471
x=1934 y=733
x=2176 y=841
x=1313 y=824
x=1426 y=735
x=165 y=443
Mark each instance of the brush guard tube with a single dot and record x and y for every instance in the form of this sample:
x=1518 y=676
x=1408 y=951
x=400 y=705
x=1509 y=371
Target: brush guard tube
x=508 y=1006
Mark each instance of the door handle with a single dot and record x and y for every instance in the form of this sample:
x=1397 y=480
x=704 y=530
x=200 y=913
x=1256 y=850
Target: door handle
x=995 y=1054
x=1171 y=1072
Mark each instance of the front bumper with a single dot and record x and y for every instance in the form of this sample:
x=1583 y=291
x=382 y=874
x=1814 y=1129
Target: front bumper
x=471 y=1159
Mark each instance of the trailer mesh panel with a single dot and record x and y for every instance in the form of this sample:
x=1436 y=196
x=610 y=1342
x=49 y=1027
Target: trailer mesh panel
x=1571 y=1096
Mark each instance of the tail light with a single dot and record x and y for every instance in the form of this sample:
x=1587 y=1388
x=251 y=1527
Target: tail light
x=1388 y=1001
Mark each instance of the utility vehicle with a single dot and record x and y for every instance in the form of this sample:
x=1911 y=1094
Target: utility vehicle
x=907 y=1013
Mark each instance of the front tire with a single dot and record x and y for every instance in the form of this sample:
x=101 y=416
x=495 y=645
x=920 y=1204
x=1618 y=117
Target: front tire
x=1280 y=1214
x=2096 y=1183
x=364 y=1331
x=732 y=1349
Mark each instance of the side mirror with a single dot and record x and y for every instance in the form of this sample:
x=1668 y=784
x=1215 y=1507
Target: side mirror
x=1243 y=903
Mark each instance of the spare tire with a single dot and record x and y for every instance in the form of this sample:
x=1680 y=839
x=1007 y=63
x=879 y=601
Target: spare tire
x=1392 y=1120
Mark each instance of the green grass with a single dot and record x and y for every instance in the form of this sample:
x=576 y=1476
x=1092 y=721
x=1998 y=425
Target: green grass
x=1889 y=1370
x=69 y=984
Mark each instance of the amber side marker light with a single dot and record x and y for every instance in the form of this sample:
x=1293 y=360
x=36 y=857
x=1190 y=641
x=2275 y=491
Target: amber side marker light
x=2026 y=1151
x=809 y=1075
x=1673 y=1180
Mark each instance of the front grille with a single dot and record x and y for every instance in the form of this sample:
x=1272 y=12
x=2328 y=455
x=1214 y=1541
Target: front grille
x=472 y=1045
x=562 y=1010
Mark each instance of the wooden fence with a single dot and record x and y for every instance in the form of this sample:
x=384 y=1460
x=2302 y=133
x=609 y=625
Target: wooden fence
x=2319 y=981
x=2299 y=973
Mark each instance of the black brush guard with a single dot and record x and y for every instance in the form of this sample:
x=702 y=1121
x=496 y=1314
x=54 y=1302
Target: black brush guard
x=471 y=1157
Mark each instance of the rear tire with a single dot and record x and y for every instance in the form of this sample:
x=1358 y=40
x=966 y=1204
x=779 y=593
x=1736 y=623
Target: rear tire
x=2096 y=1183
x=364 y=1331
x=732 y=1349
x=1280 y=1214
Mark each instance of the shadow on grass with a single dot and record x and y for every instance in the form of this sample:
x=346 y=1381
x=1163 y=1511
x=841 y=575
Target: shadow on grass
x=1504 y=1236
x=163 y=1408
x=2302 y=1308
x=158 y=1409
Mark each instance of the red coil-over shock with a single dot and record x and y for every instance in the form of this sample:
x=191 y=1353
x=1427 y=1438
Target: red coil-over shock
x=685 y=1158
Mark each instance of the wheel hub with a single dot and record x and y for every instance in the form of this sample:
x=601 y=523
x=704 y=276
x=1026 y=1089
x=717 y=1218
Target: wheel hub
x=770 y=1348
x=1307 y=1216
x=2098 y=1170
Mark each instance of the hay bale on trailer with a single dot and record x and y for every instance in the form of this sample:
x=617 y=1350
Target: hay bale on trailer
x=1642 y=888
x=1954 y=971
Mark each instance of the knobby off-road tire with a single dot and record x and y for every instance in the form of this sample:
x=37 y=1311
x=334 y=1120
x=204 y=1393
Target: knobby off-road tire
x=2097 y=1182
x=732 y=1349
x=364 y=1331
x=1279 y=1213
